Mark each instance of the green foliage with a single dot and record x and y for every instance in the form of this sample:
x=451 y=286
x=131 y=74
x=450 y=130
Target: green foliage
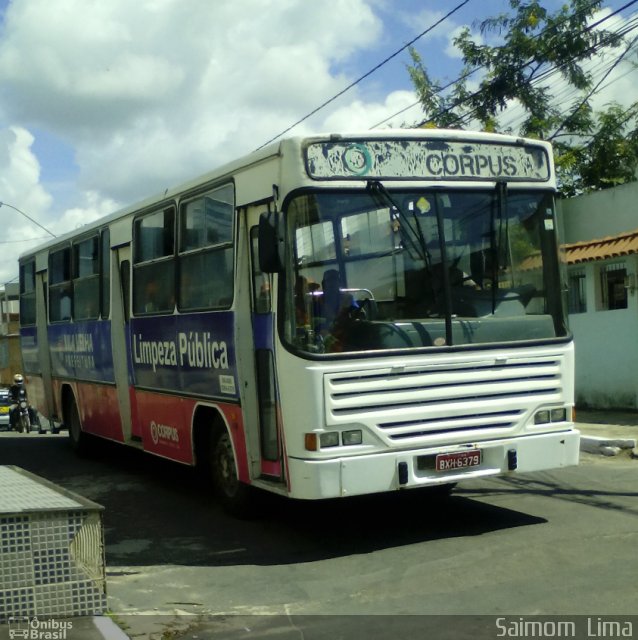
x=606 y=158
x=595 y=151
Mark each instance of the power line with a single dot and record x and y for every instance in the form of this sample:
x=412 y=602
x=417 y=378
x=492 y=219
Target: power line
x=606 y=69
x=549 y=72
x=595 y=88
x=365 y=75
x=28 y=217
x=473 y=71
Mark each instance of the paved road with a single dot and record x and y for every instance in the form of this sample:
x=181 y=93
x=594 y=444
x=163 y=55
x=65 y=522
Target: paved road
x=564 y=542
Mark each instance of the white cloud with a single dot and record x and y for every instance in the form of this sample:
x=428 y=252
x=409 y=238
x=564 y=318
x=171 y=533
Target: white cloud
x=360 y=116
x=93 y=207
x=151 y=92
x=19 y=191
x=148 y=94
x=26 y=214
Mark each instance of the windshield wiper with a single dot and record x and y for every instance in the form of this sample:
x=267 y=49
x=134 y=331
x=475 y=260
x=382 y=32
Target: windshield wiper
x=414 y=235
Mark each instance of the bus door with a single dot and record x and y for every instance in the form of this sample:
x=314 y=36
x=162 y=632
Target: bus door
x=120 y=317
x=44 y=354
x=263 y=319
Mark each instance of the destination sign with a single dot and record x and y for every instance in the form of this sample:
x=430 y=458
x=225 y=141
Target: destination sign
x=426 y=160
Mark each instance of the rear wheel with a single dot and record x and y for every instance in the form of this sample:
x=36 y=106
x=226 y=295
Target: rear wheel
x=79 y=439
x=235 y=496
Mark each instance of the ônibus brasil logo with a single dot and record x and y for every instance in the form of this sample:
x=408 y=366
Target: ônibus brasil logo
x=35 y=629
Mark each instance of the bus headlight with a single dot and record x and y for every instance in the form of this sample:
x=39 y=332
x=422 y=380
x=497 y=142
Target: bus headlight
x=352 y=437
x=542 y=417
x=329 y=439
x=315 y=441
x=547 y=416
x=559 y=415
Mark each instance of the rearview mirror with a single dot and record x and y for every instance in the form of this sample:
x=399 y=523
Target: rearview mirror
x=271 y=242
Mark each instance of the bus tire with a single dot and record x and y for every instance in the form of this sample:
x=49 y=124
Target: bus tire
x=236 y=497
x=77 y=437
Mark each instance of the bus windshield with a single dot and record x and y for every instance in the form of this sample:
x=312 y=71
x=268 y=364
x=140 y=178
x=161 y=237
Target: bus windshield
x=380 y=270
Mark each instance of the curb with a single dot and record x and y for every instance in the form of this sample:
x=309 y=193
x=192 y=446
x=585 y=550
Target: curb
x=108 y=629
x=607 y=446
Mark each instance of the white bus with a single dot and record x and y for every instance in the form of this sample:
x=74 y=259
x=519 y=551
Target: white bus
x=329 y=316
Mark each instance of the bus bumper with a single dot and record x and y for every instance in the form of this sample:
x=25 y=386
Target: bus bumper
x=379 y=472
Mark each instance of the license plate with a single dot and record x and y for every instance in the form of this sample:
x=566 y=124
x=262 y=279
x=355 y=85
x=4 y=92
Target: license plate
x=460 y=460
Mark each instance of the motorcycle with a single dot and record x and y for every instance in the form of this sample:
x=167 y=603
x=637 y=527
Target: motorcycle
x=24 y=417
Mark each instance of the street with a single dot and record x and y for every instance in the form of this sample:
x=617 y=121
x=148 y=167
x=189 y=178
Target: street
x=555 y=543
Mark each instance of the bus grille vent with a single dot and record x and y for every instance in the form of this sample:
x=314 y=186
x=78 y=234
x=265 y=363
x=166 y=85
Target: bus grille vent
x=434 y=400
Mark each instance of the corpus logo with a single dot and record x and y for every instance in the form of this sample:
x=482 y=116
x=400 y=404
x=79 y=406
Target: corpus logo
x=163 y=432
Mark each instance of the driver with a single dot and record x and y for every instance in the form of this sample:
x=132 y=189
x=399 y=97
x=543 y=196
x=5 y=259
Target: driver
x=338 y=310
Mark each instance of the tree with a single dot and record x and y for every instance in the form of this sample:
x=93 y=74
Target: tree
x=536 y=49
x=606 y=158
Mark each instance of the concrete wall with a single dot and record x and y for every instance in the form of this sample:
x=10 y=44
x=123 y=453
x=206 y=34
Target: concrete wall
x=606 y=341
x=600 y=214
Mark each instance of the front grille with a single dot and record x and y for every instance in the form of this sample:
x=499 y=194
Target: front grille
x=434 y=400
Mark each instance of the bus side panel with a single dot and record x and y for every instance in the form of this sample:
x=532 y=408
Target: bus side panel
x=166 y=427
x=96 y=404
x=99 y=410
x=82 y=351
x=163 y=426
x=194 y=352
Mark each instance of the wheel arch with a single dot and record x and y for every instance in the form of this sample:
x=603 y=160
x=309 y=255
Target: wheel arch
x=209 y=423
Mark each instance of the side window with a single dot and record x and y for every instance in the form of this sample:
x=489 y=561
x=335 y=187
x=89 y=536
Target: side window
x=206 y=251
x=154 y=263
x=60 y=285
x=86 y=283
x=27 y=293
x=105 y=273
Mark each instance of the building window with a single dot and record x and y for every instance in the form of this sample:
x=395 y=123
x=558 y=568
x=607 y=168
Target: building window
x=613 y=289
x=577 y=296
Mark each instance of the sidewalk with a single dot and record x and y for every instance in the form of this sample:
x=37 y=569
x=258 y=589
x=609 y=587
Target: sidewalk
x=608 y=432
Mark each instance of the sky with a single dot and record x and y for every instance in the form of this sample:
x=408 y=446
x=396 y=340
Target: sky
x=106 y=102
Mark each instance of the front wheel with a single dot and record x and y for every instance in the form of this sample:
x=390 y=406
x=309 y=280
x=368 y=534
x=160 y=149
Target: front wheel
x=236 y=497
x=25 y=424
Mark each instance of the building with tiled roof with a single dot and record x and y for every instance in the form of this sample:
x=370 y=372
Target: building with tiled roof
x=601 y=256
x=623 y=244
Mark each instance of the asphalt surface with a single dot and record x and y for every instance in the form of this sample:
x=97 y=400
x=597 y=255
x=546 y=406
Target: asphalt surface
x=608 y=433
